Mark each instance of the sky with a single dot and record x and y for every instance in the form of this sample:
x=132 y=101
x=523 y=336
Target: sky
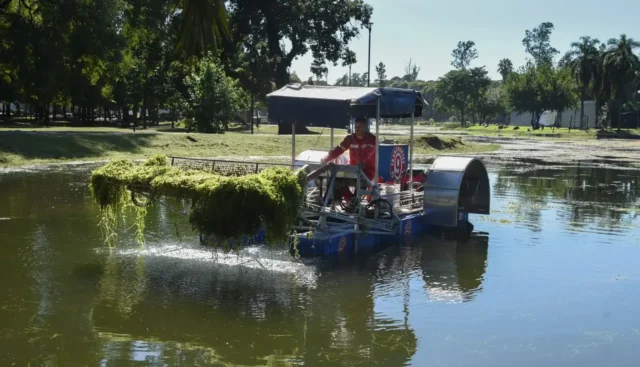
x=427 y=31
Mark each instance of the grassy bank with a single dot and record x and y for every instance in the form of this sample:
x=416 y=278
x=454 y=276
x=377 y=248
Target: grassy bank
x=40 y=146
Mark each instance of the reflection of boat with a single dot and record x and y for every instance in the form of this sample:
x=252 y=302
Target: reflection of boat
x=245 y=316
x=453 y=270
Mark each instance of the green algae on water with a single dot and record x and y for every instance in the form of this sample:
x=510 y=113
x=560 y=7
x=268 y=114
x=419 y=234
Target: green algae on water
x=227 y=208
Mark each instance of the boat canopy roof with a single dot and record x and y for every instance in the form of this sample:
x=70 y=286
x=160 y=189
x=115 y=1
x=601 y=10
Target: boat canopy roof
x=334 y=106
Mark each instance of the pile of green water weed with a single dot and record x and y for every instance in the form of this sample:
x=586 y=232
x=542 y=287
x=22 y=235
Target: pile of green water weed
x=227 y=208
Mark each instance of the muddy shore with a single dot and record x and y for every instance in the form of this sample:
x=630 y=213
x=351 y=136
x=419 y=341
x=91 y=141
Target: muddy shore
x=601 y=153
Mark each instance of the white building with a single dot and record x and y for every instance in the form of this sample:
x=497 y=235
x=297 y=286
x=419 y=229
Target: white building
x=567 y=118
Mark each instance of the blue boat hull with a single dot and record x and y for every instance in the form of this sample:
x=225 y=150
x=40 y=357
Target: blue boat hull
x=320 y=244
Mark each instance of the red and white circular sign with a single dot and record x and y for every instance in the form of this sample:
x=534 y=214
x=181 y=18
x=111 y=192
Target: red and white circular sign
x=398 y=165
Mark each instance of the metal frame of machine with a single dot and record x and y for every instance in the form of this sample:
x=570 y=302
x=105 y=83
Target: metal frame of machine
x=454 y=187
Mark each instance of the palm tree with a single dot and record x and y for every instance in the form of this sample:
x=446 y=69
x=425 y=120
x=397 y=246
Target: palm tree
x=583 y=62
x=505 y=67
x=601 y=92
x=620 y=66
x=204 y=27
x=349 y=58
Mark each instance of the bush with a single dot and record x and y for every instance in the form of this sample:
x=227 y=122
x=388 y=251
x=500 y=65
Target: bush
x=214 y=98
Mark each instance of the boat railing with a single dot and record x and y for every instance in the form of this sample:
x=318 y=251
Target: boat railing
x=224 y=167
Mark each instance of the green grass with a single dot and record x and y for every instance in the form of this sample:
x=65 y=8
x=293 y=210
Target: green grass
x=27 y=146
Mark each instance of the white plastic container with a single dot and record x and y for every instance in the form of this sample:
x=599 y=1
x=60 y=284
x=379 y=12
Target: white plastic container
x=391 y=194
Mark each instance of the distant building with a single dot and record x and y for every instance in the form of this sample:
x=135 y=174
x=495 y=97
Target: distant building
x=567 y=118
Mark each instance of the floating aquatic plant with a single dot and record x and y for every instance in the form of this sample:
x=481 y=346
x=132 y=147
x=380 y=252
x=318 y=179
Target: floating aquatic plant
x=227 y=208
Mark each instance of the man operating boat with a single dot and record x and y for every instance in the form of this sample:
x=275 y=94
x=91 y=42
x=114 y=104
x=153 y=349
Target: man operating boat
x=362 y=152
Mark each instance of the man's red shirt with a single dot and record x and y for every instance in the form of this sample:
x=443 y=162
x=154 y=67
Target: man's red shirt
x=361 y=151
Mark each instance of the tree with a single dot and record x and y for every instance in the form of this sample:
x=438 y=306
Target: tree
x=357 y=80
x=620 y=73
x=204 y=27
x=505 y=67
x=324 y=27
x=583 y=61
x=215 y=99
x=319 y=69
x=294 y=78
x=463 y=54
x=411 y=72
x=491 y=104
x=537 y=43
x=343 y=81
x=381 y=69
x=538 y=88
x=349 y=58
x=459 y=89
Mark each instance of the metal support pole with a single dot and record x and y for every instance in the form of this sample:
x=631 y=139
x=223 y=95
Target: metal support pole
x=411 y=150
x=369 y=67
x=375 y=179
x=293 y=145
x=332 y=146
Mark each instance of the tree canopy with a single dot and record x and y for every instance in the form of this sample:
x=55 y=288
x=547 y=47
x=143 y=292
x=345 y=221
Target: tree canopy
x=463 y=54
x=131 y=61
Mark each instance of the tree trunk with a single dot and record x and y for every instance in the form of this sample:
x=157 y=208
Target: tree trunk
x=582 y=97
x=144 y=113
x=136 y=109
x=45 y=111
x=125 y=116
x=597 y=113
x=252 y=113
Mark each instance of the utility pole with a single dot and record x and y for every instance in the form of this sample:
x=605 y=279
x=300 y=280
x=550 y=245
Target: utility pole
x=369 y=67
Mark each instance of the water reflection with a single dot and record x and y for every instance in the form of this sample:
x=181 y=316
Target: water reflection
x=68 y=301
x=147 y=302
x=453 y=271
x=242 y=316
x=602 y=196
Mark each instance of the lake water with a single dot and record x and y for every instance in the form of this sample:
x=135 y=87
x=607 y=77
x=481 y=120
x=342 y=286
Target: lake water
x=551 y=278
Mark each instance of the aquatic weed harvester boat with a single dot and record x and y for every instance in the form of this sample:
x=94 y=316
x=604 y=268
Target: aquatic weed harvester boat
x=261 y=202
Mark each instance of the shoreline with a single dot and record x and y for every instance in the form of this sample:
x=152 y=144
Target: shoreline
x=25 y=150
x=36 y=150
